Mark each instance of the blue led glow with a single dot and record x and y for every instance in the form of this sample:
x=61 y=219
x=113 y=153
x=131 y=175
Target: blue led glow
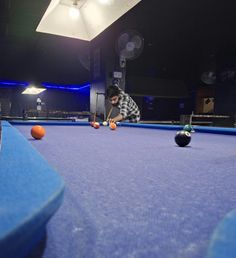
x=66 y=87
x=60 y=88
x=13 y=83
x=71 y=87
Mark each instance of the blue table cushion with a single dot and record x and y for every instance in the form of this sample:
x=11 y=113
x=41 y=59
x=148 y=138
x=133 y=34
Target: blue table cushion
x=30 y=193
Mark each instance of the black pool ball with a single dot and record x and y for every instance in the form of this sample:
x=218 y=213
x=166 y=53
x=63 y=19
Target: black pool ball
x=182 y=138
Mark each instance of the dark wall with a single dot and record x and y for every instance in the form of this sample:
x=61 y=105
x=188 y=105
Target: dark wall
x=225 y=98
x=170 y=65
x=105 y=60
x=159 y=109
x=158 y=99
x=150 y=86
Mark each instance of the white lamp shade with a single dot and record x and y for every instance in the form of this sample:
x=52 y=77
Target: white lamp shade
x=94 y=17
x=33 y=90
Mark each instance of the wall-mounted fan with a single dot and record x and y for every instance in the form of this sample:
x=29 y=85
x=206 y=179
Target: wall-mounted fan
x=208 y=77
x=129 y=46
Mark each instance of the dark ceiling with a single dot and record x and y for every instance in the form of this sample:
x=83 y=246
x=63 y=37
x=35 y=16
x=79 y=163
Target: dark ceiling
x=182 y=38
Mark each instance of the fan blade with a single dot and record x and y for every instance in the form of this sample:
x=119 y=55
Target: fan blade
x=208 y=77
x=127 y=54
x=138 y=41
x=130 y=46
x=122 y=40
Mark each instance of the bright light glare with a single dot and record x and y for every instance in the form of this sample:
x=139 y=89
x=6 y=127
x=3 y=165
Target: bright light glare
x=74 y=12
x=105 y=1
x=33 y=90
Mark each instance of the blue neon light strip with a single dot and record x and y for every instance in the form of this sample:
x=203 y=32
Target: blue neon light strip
x=65 y=87
x=8 y=84
x=13 y=83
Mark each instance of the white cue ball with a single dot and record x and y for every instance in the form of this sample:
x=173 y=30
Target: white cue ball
x=105 y=123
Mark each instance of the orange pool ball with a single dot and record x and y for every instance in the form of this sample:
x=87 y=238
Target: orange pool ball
x=37 y=132
x=96 y=125
x=112 y=126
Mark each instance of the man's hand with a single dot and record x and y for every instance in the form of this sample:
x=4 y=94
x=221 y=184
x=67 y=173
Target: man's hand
x=116 y=119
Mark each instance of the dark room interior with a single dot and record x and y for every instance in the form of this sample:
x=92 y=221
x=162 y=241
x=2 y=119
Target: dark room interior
x=184 y=44
x=117 y=129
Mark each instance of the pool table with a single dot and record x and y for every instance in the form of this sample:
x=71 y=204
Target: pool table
x=132 y=192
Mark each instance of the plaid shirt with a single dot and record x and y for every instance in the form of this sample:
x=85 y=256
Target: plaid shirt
x=128 y=108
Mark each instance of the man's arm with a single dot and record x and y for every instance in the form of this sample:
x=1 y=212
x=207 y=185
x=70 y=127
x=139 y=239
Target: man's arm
x=117 y=118
x=123 y=110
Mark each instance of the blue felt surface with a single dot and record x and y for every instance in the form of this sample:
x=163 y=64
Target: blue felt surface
x=31 y=191
x=133 y=193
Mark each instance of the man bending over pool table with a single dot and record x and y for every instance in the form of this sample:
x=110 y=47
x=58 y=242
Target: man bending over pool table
x=128 y=108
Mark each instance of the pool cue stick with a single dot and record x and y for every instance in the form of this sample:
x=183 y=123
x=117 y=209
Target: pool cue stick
x=191 y=118
x=96 y=103
x=109 y=114
x=190 y=121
